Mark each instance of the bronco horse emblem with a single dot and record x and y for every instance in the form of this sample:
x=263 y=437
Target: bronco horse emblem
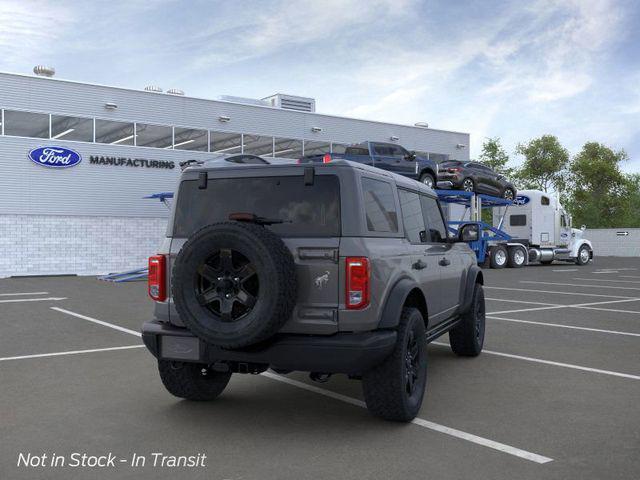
x=322 y=280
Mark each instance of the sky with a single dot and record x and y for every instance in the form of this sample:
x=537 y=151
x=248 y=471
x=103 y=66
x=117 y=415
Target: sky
x=509 y=69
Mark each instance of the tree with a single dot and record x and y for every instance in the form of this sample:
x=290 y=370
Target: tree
x=545 y=163
x=600 y=195
x=494 y=156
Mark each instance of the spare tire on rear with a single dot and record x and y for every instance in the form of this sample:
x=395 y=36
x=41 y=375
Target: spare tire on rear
x=234 y=284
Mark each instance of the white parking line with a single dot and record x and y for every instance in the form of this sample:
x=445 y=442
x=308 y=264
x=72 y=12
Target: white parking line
x=485 y=442
x=566 y=270
x=99 y=322
x=557 y=292
x=556 y=364
x=581 y=285
x=588 y=306
x=606 y=280
x=629 y=276
x=27 y=293
x=559 y=325
x=48 y=299
x=519 y=301
x=71 y=352
x=423 y=423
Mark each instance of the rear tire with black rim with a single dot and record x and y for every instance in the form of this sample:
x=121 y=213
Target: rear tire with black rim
x=467 y=338
x=192 y=381
x=394 y=389
x=517 y=257
x=498 y=256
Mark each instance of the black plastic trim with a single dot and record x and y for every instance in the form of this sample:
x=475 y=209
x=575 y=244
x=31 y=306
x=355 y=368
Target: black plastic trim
x=350 y=353
x=472 y=279
x=395 y=300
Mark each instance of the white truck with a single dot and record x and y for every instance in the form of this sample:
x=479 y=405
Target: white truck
x=540 y=231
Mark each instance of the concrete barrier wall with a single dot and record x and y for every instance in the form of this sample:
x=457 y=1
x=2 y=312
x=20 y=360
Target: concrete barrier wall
x=614 y=242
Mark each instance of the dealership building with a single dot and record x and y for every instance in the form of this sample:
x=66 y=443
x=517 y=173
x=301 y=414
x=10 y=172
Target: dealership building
x=120 y=145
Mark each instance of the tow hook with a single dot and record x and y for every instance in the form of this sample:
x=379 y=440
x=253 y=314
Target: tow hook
x=320 y=377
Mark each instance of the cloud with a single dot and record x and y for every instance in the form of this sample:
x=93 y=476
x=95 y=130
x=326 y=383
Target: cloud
x=30 y=30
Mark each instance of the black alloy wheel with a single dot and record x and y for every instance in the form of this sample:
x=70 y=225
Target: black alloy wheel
x=412 y=363
x=467 y=185
x=227 y=285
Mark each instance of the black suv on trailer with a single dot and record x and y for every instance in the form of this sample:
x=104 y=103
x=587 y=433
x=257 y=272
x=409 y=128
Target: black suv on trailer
x=329 y=268
x=475 y=177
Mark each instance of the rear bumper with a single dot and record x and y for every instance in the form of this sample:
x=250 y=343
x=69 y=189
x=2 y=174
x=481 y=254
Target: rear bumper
x=350 y=353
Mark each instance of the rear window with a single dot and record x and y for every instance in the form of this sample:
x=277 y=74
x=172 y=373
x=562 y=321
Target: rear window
x=307 y=210
x=357 y=151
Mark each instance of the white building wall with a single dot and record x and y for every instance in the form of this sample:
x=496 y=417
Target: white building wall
x=612 y=242
x=57 y=244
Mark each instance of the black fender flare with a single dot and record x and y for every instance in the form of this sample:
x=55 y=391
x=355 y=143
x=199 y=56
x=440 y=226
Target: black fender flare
x=394 y=302
x=474 y=275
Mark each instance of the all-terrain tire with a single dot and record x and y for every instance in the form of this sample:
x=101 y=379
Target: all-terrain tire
x=272 y=301
x=509 y=194
x=385 y=386
x=467 y=338
x=192 y=381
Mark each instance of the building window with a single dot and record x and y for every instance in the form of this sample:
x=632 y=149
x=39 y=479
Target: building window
x=190 y=139
x=257 y=145
x=287 y=148
x=380 y=206
x=339 y=148
x=226 y=142
x=438 y=157
x=71 y=128
x=26 y=124
x=316 y=148
x=115 y=133
x=157 y=136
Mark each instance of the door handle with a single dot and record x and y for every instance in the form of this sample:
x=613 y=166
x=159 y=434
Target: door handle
x=444 y=262
x=419 y=265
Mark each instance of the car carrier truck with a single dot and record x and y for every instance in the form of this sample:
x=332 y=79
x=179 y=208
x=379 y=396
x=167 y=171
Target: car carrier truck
x=534 y=228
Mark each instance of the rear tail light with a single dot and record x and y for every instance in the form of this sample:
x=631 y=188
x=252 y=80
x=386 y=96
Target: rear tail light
x=157 y=278
x=357 y=283
x=454 y=170
x=326 y=158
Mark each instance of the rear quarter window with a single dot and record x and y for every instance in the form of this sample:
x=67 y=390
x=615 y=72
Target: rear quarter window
x=380 y=206
x=306 y=210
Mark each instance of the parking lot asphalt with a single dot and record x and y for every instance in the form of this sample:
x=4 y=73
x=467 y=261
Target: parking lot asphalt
x=555 y=394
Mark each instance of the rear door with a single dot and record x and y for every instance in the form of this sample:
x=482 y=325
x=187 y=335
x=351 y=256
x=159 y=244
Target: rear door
x=444 y=255
x=310 y=228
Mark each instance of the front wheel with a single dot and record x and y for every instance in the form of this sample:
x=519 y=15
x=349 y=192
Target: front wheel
x=428 y=180
x=192 y=381
x=467 y=338
x=584 y=255
x=394 y=389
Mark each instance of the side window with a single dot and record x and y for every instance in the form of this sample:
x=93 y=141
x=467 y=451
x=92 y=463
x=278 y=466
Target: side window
x=437 y=232
x=412 y=216
x=382 y=150
x=380 y=207
x=544 y=201
x=517 y=220
x=397 y=151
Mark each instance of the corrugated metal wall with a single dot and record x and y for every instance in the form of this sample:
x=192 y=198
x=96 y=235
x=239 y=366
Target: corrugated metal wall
x=614 y=242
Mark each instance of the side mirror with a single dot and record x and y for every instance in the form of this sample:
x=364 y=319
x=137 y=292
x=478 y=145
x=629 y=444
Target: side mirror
x=411 y=156
x=469 y=232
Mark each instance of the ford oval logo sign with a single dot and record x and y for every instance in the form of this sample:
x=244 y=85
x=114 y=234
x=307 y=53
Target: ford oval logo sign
x=55 y=157
x=521 y=200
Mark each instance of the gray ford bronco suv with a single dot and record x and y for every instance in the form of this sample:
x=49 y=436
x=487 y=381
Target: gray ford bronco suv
x=329 y=268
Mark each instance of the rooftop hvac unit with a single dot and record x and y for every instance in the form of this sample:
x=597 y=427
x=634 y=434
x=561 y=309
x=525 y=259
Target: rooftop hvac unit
x=175 y=91
x=44 y=71
x=153 y=88
x=291 y=102
x=244 y=100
